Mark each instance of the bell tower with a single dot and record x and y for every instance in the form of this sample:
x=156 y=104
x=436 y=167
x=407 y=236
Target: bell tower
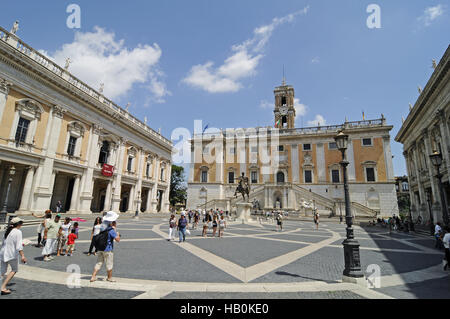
x=284 y=106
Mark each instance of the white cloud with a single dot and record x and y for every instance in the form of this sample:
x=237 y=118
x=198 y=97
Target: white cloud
x=300 y=109
x=266 y=105
x=315 y=60
x=319 y=120
x=431 y=13
x=241 y=64
x=97 y=57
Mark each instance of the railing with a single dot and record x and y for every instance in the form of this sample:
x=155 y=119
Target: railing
x=65 y=75
x=253 y=132
x=360 y=207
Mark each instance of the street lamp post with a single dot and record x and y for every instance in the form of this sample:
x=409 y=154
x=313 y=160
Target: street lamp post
x=4 y=211
x=352 y=269
x=431 y=213
x=436 y=160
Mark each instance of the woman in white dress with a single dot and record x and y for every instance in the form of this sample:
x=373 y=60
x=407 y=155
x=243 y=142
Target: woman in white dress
x=12 y=247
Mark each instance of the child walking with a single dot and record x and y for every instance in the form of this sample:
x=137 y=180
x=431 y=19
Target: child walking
x=71 y=242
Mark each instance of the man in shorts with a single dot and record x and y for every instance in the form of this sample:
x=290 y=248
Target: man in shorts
x=107 y=256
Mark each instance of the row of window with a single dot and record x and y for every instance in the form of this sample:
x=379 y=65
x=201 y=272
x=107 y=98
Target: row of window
x=308 y=176
x=306 y=147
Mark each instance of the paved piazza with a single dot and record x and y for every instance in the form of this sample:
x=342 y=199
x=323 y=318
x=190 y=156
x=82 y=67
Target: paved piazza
x=250 y=261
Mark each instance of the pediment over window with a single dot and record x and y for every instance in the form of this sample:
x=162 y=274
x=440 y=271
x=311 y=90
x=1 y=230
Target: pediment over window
x=77 y=128
x=369 y=163
x=30 y=107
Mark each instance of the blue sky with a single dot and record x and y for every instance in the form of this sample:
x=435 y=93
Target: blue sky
x=218 y=61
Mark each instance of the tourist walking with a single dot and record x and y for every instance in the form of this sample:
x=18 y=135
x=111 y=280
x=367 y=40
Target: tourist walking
x=446 y=243
x=172 y=226
x=279 y=221
x=437 y=235
x=196 y=218
x=108 y=235
x=10 y=251
x=316 y=220
x=94 y=233
x=214 y=225
x=222 y=226
x=51 y=233
x=205 y=228
x=62 y=238
x=71 y=242
x=182 y=224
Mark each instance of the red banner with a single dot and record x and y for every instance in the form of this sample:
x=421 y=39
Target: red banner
x=107 y=170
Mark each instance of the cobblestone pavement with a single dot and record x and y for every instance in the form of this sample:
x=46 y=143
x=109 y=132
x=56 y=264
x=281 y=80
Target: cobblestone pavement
x=251 y=261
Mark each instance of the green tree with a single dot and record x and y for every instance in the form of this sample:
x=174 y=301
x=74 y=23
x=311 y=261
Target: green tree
x=178 y=189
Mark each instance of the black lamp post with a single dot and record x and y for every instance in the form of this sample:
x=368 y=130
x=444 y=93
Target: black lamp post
x=351 y=246
x=4 y=211
x=436 y=160
x=431 y=213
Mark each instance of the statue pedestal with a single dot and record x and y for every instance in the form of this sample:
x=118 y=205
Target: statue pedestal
x=243 y=212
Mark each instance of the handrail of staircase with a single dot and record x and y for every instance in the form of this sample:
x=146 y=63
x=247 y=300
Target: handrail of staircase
x=365 y=208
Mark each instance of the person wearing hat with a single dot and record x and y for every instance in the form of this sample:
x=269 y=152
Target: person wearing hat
x=11 y=248
x=51 y=233
x=107 y=256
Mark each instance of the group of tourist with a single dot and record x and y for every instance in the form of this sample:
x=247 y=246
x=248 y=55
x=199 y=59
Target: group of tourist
x=210 y=220
x=54 y=233
x=53 y=236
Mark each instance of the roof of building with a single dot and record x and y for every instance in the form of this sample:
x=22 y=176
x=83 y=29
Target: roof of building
x=434 y=81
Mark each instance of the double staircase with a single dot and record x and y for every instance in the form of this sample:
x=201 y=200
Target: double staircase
x=324 y=205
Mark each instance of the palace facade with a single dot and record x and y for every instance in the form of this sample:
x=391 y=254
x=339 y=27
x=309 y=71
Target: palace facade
x=61 y=140
x=426 y=130
x=294 y=168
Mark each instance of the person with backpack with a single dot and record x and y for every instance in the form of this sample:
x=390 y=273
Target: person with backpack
x=104 y=242
x=182 y=225
x=279 y=221
x=11 y=248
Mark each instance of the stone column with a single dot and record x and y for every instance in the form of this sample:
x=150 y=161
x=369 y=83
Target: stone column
x=108 y=194
x=388 y=158
x=320 y=157
x=43 y=193
x=140 y=173
x=351 y=159
x=166 y=202
x=75 y=195
x=445 y=138
x=422 y=206
x=119 y=171
x=155 y=187
x=436 y=208
x=26 y=193
x=4 y=91
x=131 y=200
x=88 y=176
x=148 y=208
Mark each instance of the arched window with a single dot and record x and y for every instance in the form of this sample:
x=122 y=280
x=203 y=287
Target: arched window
x=280 y=177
